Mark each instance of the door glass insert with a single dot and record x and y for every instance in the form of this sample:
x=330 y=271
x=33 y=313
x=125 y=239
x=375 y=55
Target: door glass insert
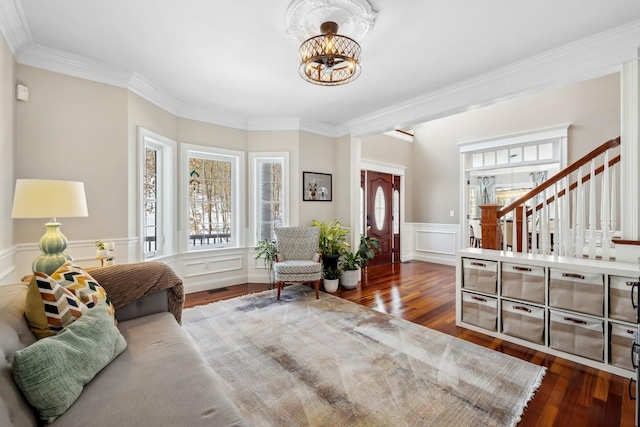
x=380 y=208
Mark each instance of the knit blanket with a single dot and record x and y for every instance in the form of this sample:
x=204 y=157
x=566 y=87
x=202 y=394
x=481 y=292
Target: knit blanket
x=128 y=282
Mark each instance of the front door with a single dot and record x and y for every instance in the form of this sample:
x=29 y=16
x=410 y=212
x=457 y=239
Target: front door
x=379 y=197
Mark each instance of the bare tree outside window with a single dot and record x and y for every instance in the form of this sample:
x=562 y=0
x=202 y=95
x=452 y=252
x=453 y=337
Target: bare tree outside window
x=210 y=201
x=270 y=198
x=150 y=190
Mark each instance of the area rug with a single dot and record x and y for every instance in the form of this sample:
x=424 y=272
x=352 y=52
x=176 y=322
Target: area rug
x=330 y=362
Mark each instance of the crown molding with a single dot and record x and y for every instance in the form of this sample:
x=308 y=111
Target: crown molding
x=14 y=26
x=73 y=65
x=592 y=57
x=322 y=128
x=588 y=58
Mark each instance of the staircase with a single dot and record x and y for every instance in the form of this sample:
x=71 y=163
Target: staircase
x=572 y=214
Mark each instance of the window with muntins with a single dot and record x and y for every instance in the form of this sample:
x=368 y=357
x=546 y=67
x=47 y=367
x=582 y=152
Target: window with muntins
x=213 y=203
x=157 y=194
x=150 y=201
x=270 y=195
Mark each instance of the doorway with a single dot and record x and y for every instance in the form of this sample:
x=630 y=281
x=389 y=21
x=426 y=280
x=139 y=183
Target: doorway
x=380 y=205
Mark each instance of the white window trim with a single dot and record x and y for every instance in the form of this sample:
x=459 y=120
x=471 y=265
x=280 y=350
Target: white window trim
x=167 y=196
x=237 y=186
x=560 y=132
x=254 y=158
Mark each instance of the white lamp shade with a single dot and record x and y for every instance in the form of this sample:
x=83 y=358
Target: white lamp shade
x=43 y=198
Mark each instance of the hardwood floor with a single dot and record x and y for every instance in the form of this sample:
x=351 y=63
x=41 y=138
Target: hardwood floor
x=571 y=394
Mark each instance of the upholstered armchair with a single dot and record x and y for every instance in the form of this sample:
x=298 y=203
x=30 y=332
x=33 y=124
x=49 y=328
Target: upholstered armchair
x=298 y=259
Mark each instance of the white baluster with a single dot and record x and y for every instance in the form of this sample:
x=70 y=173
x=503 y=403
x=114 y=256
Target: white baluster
x=556 y=219
x=544 y=224
x=614 y=198
x=605 y=205
x=592 y=210
x=565 y=229
x=534 y=228
x=579 y=223
x=525 y=229
x=514 y=233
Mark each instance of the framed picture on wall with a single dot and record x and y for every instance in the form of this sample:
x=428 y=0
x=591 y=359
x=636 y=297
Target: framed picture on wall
x=316 y=187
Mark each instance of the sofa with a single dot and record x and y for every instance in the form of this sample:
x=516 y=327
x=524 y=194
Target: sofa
x=158 y=380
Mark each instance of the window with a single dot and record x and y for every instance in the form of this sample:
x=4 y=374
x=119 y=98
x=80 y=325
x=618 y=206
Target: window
x=269 y=193
x=157 y=195
x=212 y=194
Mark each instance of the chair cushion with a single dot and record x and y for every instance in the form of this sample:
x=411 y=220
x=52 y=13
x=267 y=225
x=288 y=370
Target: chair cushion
x=297 y=242
x=297 y=267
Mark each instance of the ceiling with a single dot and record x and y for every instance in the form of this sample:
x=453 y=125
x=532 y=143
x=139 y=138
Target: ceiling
x=233 y=63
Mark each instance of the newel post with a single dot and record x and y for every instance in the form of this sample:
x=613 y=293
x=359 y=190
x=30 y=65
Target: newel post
x=490 y=224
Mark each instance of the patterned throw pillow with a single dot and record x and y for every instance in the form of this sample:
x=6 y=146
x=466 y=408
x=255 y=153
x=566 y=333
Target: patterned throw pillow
x=83 y=286
x=50 y=307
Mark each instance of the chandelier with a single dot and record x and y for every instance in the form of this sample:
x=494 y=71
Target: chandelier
x=329 y=59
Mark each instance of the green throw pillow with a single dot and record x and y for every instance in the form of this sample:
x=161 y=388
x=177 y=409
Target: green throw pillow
x=53 y=371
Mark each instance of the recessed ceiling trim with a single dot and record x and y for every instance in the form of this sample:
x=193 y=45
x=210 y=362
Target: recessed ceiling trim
x=585 y=59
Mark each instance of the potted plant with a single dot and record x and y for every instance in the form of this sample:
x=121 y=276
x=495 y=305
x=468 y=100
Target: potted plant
x=268 y=251
x=110 y=260
x=350 y=265
x=102 y=252
x=333 y=242
x=367 y=249
x=331 y=279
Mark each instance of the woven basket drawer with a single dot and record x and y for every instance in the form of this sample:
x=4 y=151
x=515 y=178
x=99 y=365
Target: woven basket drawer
x=524 y=282
x=575 y=334
x=480 y=310
x=621 y=341
x=620 y=306
x=480 y=275
x=523 y=321
x=575 y=291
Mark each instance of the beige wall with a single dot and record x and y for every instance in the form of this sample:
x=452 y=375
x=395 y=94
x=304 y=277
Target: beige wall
x=74 y=129
x=82 y=130
x=7 y=142
x=316 y=155
x=591 y=107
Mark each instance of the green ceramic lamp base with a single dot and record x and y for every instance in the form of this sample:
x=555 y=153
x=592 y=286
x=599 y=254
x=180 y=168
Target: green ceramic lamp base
x=52 y=245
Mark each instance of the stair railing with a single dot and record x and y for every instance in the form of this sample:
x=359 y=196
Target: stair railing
x=561 y=215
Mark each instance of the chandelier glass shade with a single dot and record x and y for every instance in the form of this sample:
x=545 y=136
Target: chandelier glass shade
x=329 y=59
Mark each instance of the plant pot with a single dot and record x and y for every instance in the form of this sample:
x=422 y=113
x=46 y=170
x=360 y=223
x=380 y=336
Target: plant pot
x=349 y=278
x=330 y=261
x=102 y=253
x=331 y=285
x=107 y=263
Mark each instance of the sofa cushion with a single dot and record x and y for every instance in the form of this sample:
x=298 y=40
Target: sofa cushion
x=83 y=286
x=159 y=380
x=53 y=371
x=50 y=307
x=15 y=334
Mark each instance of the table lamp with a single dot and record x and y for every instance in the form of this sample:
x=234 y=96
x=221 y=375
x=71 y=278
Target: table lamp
x=42 y=198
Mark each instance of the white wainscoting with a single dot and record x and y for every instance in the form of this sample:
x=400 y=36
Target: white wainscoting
x=206 y=270
x=434 y=242
x=8 y=270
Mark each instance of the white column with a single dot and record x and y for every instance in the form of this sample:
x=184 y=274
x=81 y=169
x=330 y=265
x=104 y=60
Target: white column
x=630 y=150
